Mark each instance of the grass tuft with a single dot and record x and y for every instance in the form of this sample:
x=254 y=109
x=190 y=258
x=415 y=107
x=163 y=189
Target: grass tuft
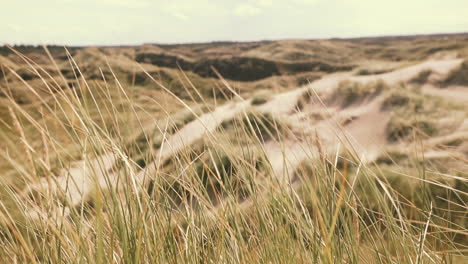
x=458 y=76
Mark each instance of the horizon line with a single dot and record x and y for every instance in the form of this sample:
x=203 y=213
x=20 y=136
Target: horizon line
x=436 y=34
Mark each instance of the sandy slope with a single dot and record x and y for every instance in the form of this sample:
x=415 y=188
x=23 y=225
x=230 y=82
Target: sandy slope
x=365 y=134
x=364 y=131
x=457 y=93
x=192 y=132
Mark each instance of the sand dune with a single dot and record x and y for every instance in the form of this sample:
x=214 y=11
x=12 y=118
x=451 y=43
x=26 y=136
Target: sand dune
x=360 y=127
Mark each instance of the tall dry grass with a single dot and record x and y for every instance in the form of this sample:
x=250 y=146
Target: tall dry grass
x=216 y=201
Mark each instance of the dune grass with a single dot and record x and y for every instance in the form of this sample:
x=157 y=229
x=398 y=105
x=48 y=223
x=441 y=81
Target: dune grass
x=422 y=77
x=215 y=201
x=457 y=76
x=261 y=97
x=354 y=92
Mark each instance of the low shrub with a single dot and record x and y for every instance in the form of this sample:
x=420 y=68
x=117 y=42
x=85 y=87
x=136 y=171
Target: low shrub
x=392 y=157
x=303 y=99
x=402 y=129
x=262 y=126
x=215 y=171
x=395 y=100
x=27 y=74
x=422 y=77
x=261 y=97
x=306 y=79
x=354 y=92
x=372 y=71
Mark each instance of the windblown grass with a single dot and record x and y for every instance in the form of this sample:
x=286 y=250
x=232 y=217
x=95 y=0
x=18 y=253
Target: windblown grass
x=217 y=200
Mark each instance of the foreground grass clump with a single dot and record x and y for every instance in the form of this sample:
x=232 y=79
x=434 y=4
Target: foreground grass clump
x=354 y=200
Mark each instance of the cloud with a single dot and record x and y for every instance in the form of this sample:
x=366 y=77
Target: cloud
x=245 y=10
x=125 y=3
x=137 y=21
x=181 y=16
x=264 y=3
x=306 y=2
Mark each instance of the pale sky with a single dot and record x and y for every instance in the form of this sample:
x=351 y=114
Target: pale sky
x=114 y=22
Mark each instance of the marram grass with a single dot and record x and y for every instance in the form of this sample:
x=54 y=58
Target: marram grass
x=216 y=201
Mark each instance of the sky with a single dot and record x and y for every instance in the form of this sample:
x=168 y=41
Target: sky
x=126 y=22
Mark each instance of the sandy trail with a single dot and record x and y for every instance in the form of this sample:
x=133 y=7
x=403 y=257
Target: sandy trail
x=80 y=180
x=192 y=132
x=364 y=134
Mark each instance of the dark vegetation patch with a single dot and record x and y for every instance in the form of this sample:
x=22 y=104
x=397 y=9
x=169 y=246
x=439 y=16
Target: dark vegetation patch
x=308 y=78
x=404 y=129
x=458 y=76
x=298 y=56
x=212 y=170
x=409 y=101
x=20 y=96
x=216 y=44
x=422 y=77
x=349 y=93
x=441 y=47
x=317 y=66
x=238 y=68
x=408 y=119
x=261 y=97
x=453 y=141
x=304 y=99
x=182 y=86
x=164 y=60
x=254 y=125
x=400 y=49
x=3 y=72
x=397 y=99
x=142 y=78
x=372 y=71
x=415 y=114
x=90 y=72
x=26 y=74
x=57 y=52
x=393 y=158
x=97 y=73
x=69 y=73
